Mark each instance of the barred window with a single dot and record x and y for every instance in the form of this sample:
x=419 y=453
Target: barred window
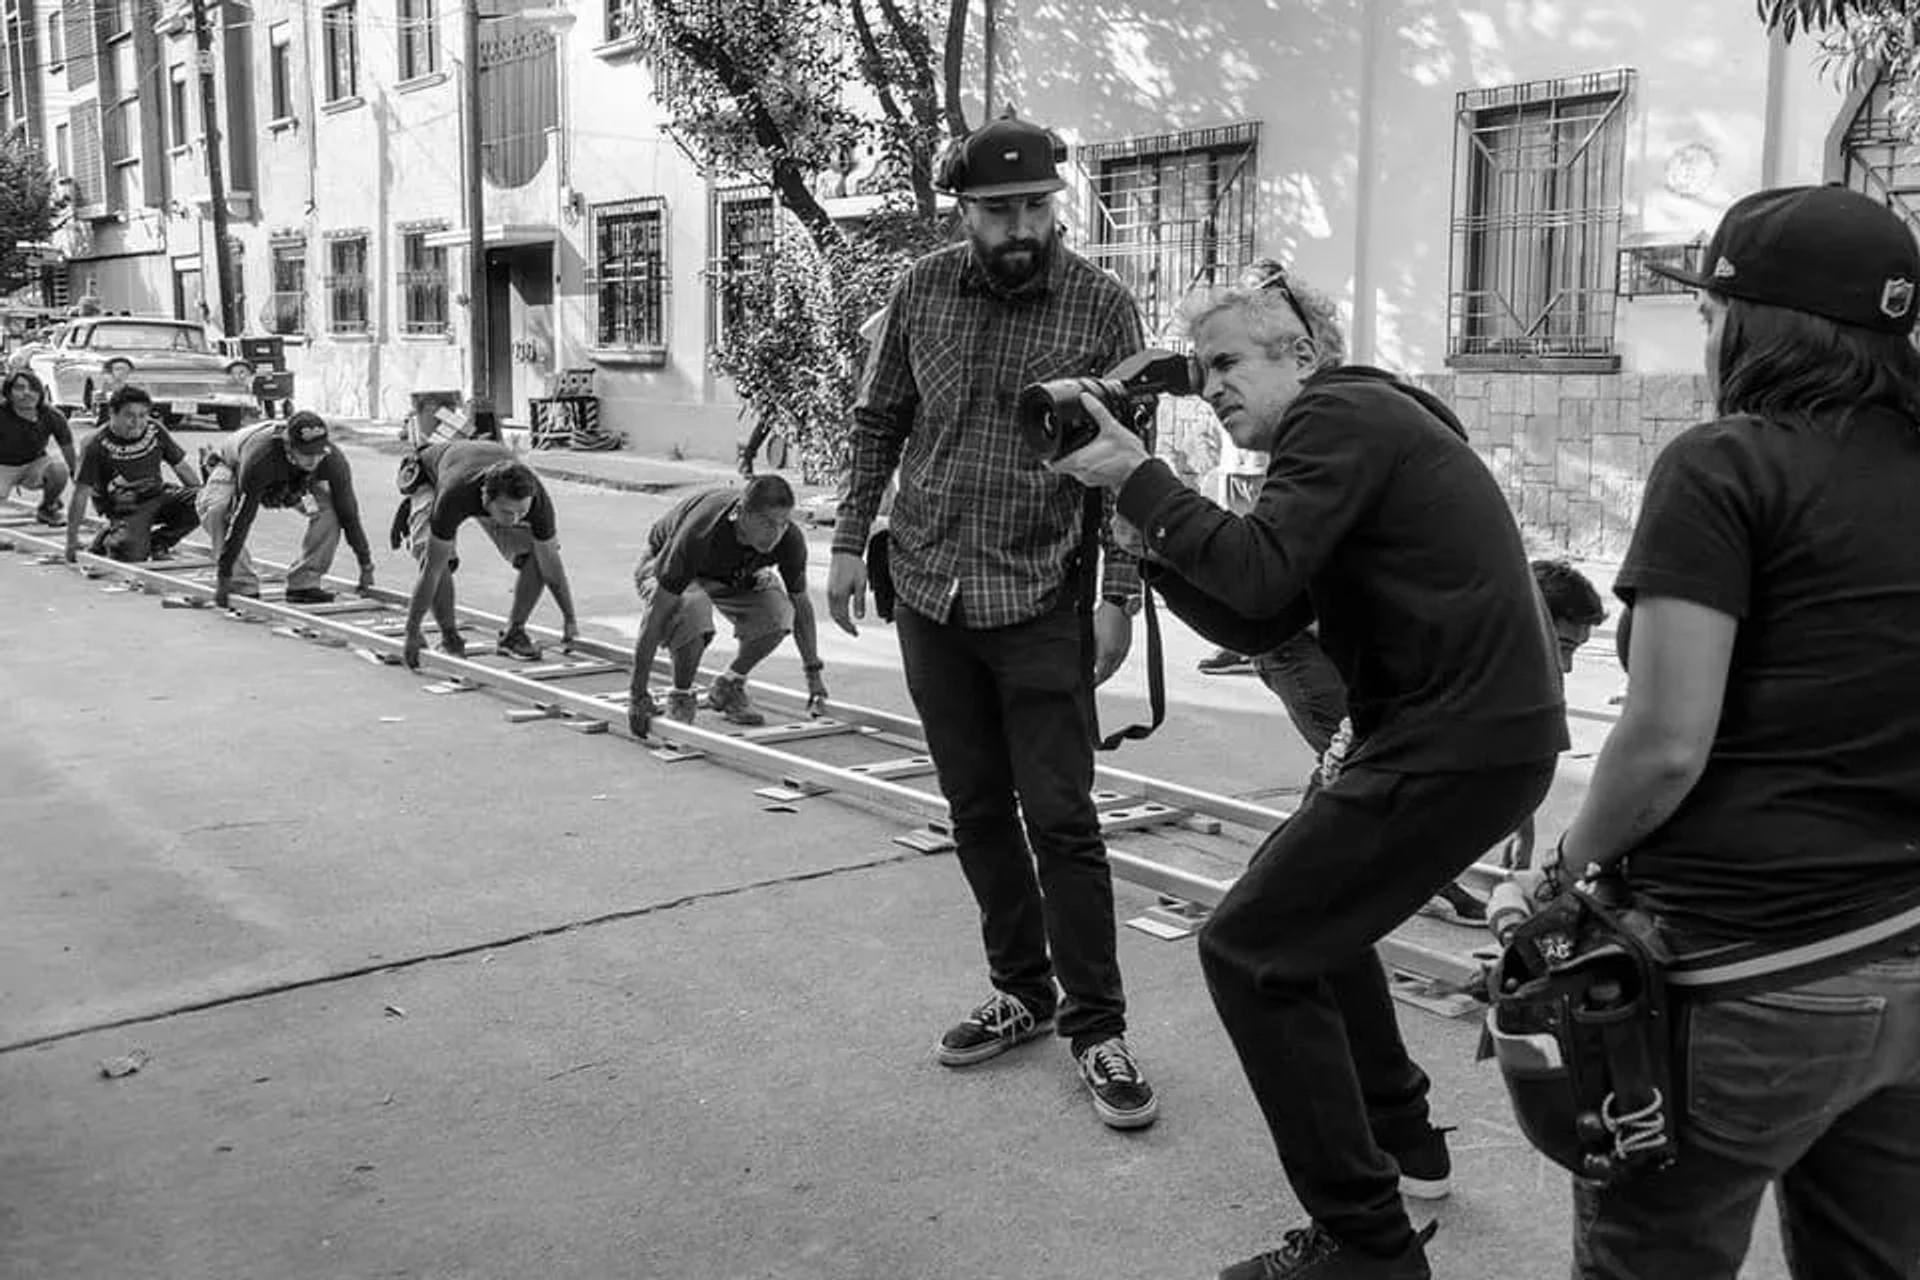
x=347 y=309
x=739 y=277
x=623 y=19
x=1173 y=213
x=1536 y=223
x=287 y=305
x=423 y=284
x=419 y=42
x=340 y=29
x=628 y=282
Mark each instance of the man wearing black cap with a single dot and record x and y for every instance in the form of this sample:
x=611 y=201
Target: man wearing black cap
x=992 y=572
x=278 y=465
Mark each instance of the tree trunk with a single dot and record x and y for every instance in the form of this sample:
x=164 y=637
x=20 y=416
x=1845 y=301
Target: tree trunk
x=955 y=55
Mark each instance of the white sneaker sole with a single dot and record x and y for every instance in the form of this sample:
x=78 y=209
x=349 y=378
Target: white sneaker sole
x=1425 y=1188
x=991 y=1049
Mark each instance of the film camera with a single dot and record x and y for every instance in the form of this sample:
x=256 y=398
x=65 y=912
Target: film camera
x=1054 y=424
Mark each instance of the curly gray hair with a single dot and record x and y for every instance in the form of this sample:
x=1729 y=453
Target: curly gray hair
x=1275 y=304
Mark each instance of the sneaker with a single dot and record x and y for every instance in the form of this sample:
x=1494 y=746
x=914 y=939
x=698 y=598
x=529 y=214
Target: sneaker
x=1311 y=1253
x=47 y=513
x=453 y=644
x=1120 y=1092
x=1425 y=1166
x=999 y=1024
x=160 y=551
x=517 y=644
x=681 y=705
x=309 y=595
x=1225 y=662
x=729 y=697
x=1456 y=906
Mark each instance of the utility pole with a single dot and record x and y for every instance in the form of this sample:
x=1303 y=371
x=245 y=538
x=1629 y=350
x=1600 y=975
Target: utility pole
x=230 y=324
x=480 y=405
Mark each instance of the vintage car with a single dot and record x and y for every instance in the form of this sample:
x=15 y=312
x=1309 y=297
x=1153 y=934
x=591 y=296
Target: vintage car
x=172 y=360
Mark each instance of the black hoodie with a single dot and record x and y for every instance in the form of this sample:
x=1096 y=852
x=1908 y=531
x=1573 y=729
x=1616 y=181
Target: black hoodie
x=1380 y=521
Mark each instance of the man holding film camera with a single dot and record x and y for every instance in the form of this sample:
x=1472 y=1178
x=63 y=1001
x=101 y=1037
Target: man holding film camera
x=992 y=564
x=1377 y=519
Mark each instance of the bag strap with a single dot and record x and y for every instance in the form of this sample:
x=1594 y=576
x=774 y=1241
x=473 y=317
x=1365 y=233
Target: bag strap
x=1723 y=969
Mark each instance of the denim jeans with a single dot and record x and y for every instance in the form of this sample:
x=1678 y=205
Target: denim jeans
x=1288 y=957
x=1008 y=715
x=1309 y=687
x=1814 y=1089
x=159 y=522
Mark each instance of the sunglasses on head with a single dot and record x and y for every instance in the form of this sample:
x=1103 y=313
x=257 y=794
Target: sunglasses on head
x=1275 y=277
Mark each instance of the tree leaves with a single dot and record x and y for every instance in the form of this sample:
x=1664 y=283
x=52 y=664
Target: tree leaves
x=28 y=206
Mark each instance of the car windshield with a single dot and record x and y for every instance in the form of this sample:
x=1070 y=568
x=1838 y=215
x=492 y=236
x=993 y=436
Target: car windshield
x=148 y=337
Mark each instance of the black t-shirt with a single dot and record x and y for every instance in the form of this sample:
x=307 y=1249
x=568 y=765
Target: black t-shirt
x=1378 y=518
x=696 y=540
x=456 y=469
x=24 y=440
x=122 y=473
x=267 y=477
x=1809 y=808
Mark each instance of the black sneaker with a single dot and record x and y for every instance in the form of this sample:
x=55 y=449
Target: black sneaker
x=1310 y=1253
x=47 y=513
x=309 y=595
x=1121 y=1094
x=453 y=644
x=1456 y=906
x=999 y=1024
x=1225 y=662
x=1425 y=1166
x=518 y=644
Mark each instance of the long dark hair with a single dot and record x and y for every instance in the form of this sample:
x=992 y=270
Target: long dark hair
x=1789 y=366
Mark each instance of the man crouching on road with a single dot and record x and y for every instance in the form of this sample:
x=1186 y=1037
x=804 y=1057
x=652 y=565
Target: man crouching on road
x=1378 y=519
x=742 y=555
x=120 y=471
x=282 y=465
x=449 y=484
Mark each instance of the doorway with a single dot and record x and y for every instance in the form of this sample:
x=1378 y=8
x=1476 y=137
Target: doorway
x=520 y=346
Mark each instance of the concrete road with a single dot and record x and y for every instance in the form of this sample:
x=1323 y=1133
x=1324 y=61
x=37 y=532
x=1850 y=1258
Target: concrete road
x=424 y=994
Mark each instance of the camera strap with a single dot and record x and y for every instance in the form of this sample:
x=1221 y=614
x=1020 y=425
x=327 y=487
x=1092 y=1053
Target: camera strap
x=1156 y=682
x=1094 y=513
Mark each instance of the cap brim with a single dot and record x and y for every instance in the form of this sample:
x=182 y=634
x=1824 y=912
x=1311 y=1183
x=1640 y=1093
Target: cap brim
x=1691 y=279
x=1038 y=187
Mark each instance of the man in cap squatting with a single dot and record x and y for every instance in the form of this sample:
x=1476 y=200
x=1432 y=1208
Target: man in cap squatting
x=279 y=465
x=993 y=595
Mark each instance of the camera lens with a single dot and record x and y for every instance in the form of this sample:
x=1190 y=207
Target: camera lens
x=1039 y=424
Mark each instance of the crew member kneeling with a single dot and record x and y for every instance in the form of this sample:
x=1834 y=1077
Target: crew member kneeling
x=120 y=471
x=1378 y=519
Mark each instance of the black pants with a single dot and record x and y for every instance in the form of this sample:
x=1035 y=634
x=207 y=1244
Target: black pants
x=1008 y=714
x=155 y=524
x=1289 y=959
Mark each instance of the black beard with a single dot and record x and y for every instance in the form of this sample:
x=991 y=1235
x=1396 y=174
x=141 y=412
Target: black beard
x=1009 y=276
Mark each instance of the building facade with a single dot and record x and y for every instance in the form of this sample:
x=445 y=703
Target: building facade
x=1483 y=188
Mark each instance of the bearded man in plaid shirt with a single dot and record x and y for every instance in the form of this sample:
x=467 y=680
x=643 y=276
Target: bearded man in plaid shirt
x=992 y=576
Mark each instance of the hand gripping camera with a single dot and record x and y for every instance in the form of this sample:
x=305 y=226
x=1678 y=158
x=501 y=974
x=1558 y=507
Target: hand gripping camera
x=1054 y=424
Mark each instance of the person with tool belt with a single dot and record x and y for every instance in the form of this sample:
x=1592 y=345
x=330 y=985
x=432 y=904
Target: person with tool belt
x=1759 y=798
x=738 y=553
x=449 y=484
x=281 y=465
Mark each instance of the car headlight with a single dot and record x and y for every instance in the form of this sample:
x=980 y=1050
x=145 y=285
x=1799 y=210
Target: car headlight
x=240 y=373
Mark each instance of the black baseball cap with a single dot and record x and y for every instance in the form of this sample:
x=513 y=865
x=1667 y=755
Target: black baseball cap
x=1008 y=157
x=1829 y=251
x=307 y=433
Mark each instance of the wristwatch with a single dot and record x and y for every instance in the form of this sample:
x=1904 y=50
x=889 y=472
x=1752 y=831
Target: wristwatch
x=1129 y=605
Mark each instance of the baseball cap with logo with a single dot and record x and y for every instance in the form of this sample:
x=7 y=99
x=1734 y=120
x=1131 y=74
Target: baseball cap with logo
x=307 y=433
x=1828 y=251
x=1008 y=157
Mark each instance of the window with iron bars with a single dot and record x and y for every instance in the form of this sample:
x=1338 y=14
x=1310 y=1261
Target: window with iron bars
x=423 y=284
x=628 y=279
x=739 y=276
x=419 y=45
x=287 y=303
x=1538 y=177
x=346 y=284
x=1173 y=213
x=623 y=19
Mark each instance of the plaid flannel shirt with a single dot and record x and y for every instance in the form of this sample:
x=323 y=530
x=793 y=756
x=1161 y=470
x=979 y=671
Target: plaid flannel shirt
x=977 y=518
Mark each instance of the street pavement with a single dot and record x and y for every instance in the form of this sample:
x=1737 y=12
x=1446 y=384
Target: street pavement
x=425 y=994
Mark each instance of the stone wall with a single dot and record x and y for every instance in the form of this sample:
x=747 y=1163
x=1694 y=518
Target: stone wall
x=1572 y=450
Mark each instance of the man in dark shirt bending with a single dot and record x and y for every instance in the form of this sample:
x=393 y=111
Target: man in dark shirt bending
x=282 y=465
x=1378 y=519
x=738 y=554
x=481 y=481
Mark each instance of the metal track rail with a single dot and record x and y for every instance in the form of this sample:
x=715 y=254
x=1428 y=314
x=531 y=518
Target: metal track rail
x=563 y=688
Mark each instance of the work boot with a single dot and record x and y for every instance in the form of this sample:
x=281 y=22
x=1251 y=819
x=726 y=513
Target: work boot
x=1225 y=662
x=309 y=595
x=1312 y=1253
x=518 y=644
x=1456 y=905
x=1121 y=1094
x=453 y=644
x=998 y=1024
x=681 y=705
x=729 y=697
